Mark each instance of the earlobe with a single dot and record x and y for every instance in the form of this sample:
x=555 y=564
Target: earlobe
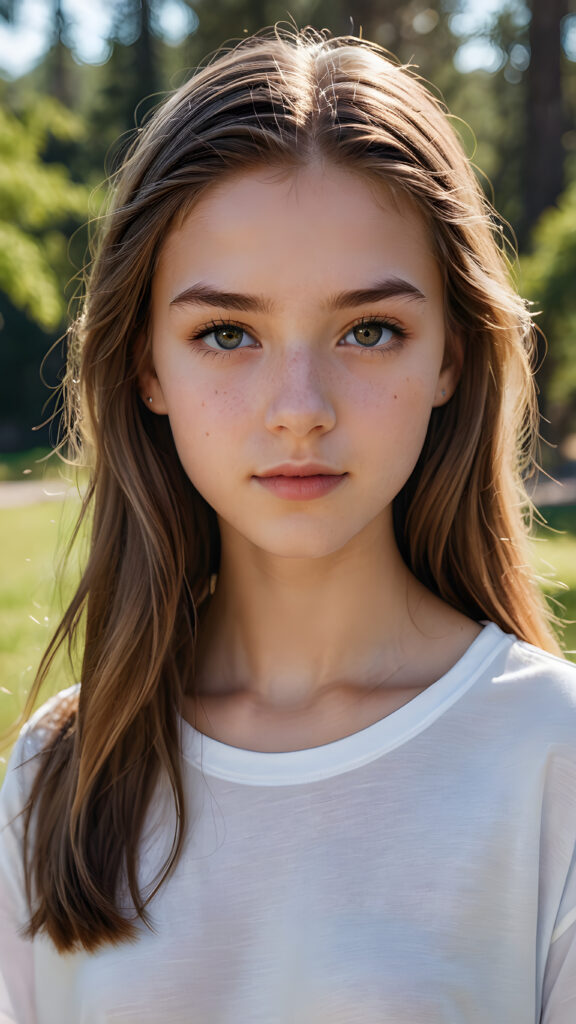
x=444 y=391
x=148 y=385
x=151 y=392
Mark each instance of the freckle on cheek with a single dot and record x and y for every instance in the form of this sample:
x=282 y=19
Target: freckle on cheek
x=206 y=434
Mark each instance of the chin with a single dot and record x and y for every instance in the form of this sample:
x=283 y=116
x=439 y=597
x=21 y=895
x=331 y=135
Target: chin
x=301 y=543
x=304 y=552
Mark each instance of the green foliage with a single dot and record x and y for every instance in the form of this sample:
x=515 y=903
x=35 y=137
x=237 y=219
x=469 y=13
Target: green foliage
x=53 y=151
x=548 y=279
x=35 y=464
x=39 y=206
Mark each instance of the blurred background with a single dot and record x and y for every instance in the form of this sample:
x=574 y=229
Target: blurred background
x=77 y=76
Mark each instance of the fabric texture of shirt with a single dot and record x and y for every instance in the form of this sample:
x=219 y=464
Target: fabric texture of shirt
x=419 y=871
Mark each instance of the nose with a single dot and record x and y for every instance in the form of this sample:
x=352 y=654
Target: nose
x=299 y=399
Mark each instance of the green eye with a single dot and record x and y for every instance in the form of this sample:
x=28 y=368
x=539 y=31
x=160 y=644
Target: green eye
x=370 y=333
x=220 y=336
x=227 y=336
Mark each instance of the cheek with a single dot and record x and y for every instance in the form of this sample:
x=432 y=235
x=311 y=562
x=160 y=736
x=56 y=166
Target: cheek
x=200 y=406
x=412 y=402
x=390 y=427
x=203 y=421
x=402 y=401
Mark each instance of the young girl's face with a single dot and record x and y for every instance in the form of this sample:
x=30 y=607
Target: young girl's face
x=298 y=321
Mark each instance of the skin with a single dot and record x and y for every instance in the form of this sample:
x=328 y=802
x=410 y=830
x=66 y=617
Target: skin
x=316 y=628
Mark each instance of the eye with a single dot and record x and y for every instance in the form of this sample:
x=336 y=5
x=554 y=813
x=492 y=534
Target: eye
x=223 y=336
x=374 y=334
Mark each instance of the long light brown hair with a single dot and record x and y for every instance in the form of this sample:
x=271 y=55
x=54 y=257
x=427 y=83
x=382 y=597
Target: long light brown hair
x=460 y=521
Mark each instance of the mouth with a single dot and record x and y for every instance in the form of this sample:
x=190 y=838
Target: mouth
x=294 y=469
x=300 y=487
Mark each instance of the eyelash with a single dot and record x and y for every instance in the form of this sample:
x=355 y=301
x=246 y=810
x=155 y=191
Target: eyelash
x=400 y=335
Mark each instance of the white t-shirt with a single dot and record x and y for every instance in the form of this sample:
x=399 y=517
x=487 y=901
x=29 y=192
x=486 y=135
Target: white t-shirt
x=420 y=871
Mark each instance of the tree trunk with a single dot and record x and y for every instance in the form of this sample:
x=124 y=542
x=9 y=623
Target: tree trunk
x=59 y=82
x=146 y=63
x=545 y=121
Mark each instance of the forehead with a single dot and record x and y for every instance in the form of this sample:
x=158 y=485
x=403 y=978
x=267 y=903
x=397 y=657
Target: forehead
x=306 y=228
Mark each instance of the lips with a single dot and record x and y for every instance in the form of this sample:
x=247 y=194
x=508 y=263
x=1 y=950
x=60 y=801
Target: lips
x=301 y=470
x=300 y=483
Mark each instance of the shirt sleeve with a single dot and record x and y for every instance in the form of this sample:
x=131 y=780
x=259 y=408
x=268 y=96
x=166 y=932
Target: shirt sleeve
x=559 y=995
x=17 y=1001
x=559 y=983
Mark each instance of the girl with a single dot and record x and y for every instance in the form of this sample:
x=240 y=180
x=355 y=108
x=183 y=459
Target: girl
x=321 y=766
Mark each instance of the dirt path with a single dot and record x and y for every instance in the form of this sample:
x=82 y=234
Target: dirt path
x=16 y=493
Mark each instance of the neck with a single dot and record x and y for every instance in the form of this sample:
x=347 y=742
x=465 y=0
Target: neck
x=286 y=632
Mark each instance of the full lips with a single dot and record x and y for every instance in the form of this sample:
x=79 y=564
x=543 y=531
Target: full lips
x=301 y=488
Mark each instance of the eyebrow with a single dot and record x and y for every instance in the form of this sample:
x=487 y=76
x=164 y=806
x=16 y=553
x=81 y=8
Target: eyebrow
x=205 y=295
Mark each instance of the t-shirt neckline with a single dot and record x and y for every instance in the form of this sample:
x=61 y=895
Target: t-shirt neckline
x=292 y=767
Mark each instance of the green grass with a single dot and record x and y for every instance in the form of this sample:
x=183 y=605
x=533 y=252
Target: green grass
x=33 y=540
x=554 y=548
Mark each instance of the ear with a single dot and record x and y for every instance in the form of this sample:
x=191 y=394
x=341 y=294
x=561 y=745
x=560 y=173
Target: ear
x=149 y=386
x=151 y=392
x=450 y=370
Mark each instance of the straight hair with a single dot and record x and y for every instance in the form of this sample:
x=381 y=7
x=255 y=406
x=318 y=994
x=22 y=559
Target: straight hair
x=280 y=99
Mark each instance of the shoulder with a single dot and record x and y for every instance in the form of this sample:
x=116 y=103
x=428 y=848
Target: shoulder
x=508 y=661
x=535 y=689
x=524 y=664
x=524 y=708
x=24 y=768
x=44 y=726
x=37 y=736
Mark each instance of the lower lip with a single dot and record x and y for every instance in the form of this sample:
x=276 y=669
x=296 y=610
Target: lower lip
x=301 y=488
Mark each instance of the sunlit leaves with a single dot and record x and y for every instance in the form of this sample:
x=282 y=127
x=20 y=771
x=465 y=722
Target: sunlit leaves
x=548 y=278
x=39 y=204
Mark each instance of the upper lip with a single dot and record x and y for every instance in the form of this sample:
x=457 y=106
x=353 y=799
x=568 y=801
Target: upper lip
x=300 y=469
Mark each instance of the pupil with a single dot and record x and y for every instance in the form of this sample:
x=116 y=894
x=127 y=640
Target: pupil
x=368 y=334
x=229 y=337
